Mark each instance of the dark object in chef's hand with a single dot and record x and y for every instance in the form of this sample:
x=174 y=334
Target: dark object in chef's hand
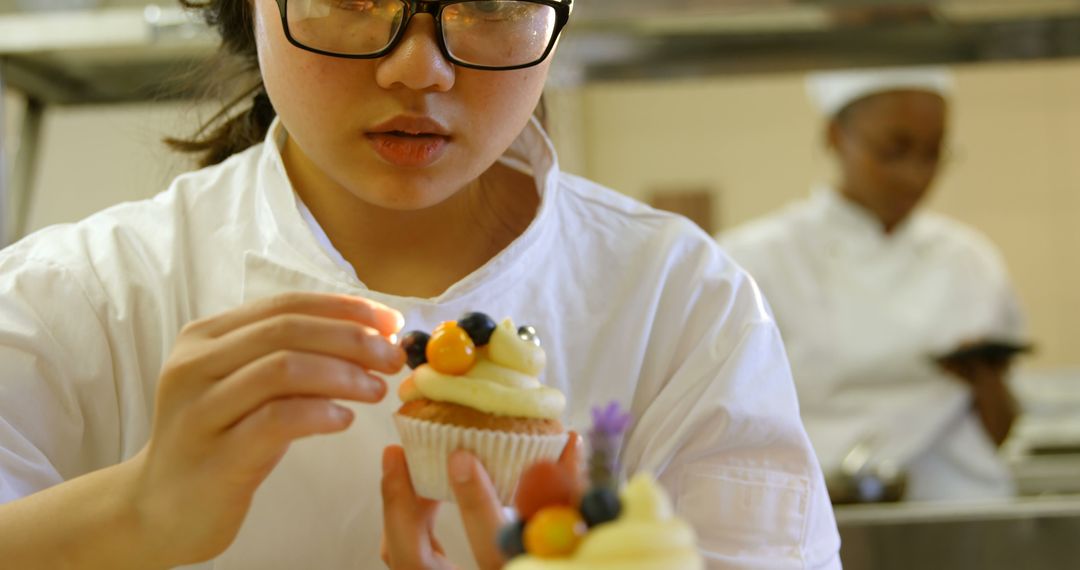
x=993 y=352
x=984 y=366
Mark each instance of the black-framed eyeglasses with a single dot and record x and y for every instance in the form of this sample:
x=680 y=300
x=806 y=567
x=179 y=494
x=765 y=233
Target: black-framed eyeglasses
x=480 y=34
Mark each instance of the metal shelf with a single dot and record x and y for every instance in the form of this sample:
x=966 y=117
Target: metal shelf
x=104 y=56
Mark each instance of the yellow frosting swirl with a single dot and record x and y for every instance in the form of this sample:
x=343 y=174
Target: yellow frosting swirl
x=502 y=382
x=645 y=536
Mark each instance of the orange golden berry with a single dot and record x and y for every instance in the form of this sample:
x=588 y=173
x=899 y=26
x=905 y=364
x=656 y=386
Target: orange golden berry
x=554 y=532
x=450 y=349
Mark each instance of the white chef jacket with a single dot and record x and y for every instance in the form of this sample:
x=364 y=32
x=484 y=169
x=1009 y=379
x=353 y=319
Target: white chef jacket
x=862 y=313
x=632 y=304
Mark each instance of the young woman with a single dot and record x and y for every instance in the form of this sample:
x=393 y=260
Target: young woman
x=163 y=362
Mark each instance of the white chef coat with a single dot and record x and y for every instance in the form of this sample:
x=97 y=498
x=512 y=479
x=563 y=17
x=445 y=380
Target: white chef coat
x=862 y=313
x=632 y=304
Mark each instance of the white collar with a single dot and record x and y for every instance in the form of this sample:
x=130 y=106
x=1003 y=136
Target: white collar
x=851 y=219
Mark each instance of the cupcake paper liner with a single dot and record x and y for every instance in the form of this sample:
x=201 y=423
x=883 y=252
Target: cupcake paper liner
x=504 y=455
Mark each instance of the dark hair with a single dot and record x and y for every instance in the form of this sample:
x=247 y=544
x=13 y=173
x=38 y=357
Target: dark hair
x=237 y=63
x=229 y=131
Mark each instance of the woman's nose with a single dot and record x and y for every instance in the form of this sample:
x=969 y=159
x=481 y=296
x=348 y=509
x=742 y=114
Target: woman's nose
x=417 y=63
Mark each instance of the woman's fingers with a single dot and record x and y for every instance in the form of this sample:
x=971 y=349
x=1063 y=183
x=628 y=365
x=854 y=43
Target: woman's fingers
x=264 y=435
x=339 y=338
x=357 y=309
x=481 y=511
x=284 y=375
x=239 y=387
x=407 y=519
x=295 y=345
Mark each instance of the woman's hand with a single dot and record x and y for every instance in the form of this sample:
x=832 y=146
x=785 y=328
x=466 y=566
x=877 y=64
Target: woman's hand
x=409 y=540
x=237 y=389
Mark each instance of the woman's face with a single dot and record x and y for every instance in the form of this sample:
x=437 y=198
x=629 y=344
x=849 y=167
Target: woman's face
x=405 y=131
x=890 y=148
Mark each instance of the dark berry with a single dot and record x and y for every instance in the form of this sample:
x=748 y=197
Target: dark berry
x=415 y=345
x=479 y=327
x=600 y=505
x=512 y=539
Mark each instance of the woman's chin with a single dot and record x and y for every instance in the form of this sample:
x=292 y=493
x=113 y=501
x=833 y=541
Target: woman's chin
x=405 y=198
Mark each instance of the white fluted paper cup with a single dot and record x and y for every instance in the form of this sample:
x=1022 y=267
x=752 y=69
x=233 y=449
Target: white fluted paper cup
x=504 y=455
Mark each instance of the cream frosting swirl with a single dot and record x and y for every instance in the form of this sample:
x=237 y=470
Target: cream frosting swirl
x=502 y=382
x=645 y=536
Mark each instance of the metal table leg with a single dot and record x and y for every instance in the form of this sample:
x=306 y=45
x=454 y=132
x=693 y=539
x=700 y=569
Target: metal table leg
x=17 y=172
x=24 y=171
x=5 y=189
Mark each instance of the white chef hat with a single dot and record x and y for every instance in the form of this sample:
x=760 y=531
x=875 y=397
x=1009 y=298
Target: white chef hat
x=834 y=91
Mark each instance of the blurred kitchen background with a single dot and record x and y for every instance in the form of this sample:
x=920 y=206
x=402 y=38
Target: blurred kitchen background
x=693 y=105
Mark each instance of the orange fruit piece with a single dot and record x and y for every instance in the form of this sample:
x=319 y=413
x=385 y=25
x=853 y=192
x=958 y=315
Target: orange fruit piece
x=554 y=532
x=451 y=350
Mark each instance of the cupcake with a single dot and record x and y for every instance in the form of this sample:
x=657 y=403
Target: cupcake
x=645 y=535
x=634 y=528
x=475 y=386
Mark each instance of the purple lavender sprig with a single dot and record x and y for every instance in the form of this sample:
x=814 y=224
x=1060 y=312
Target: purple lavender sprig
x=605 y=440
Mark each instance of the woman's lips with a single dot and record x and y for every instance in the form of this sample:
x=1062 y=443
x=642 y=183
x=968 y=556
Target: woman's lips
x=410 y=141
x=408 y=150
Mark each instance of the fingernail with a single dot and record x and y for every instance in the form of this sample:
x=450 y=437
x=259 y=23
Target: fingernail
x=393 y=339
x=460 y=467
x=374 y=389
x=343 y=415
x=399 y=321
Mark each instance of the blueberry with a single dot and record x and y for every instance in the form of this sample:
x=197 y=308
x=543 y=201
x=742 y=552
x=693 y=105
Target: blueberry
x=415 y=345
x=479 y=327
x=529 y=334
x=512 y=539
x=600 y=505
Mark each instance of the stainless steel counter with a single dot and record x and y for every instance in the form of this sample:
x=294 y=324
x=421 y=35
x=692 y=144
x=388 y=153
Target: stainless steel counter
x=1023 y=534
